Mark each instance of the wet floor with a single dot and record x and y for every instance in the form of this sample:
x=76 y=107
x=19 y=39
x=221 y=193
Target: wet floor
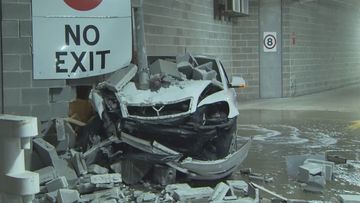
x=277 y=134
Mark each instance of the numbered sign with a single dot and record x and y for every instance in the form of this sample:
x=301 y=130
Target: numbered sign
x=270 y=42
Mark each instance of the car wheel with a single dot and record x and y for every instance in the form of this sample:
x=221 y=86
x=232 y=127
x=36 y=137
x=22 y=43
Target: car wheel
x=223 y=145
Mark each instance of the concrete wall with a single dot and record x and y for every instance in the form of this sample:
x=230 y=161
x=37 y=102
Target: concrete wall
x=246 y=39
x=326 y=52
x=175 y=26
x=22 y=94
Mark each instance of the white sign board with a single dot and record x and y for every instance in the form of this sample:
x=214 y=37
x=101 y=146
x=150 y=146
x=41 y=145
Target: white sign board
x=80 y=38
x=270 y=42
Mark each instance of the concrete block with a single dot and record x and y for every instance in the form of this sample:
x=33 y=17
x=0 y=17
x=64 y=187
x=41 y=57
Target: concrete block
x=16 y=45
x=59 y=109
x=60 y=134
x=307 y=170
x=63 y=94
x=56 y=184
x=120 y=78
x=315 y=184
x=25 y=28
x=186 y=68
x=221 y=190
x=180 y=186
x=46 y=151
x=185 y=195
x=22 y=110
x=146 y=197
x=113 y=193
x=164 y=175
x=12 y=96
x=67 y=196
x=164 y=67
x=48 y=83
x=350 y=198
x=64 y=168
x=238 y=186
x=11 y=62
x=96 y=169
x=116 y=167
x=47 y=174
x=10 y=28
x=106 y=178
x=51 y=197
x=26 y=64
x=336 y=159
x=17 y=79
x=49 y=157
x=35 y=96
x=327 y=165
x=79 y=164
x=16 y=11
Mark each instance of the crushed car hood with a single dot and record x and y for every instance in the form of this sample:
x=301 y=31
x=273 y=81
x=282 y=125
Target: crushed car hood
x=190 y=89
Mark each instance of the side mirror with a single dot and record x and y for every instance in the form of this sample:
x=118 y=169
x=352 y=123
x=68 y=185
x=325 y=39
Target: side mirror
x=237 y=82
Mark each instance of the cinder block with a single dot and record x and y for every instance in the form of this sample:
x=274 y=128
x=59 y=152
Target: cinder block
x=16 y=45
x=42 y=111
x=17 y=79
x=10 y=28
x=186 y=195
x=35 y=96
x=67 y=196
x=350 y=198
x=96 y=169
x=164 y=67
x=26 y=64
x=49 y=83
x=221 y=190
x=114 y=193
x=106 y=178
x=59 y=109
x=16 y=11
x=25 y=28
x=46 y=151
x=307 y=170
x=327 y=165
x=11 y=62
x=79 y=163
x=56 y=184
x=64 y=94
x=20 y=110
x=47 y=174
x=12 y=96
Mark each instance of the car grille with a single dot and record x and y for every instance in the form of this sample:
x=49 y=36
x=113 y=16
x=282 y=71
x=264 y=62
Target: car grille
x=159 y=110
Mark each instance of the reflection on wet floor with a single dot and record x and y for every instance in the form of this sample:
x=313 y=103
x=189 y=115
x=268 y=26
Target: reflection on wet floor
x=278 y=134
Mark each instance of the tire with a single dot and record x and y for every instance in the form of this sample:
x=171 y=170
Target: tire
x=226 y=144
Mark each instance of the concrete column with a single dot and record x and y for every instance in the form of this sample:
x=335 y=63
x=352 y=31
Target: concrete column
x=270 y=49
x=16 y=184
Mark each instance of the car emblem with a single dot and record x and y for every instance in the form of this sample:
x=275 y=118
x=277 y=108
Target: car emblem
x=158 y=109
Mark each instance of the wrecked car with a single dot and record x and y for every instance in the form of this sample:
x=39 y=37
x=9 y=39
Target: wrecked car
x=190 y=107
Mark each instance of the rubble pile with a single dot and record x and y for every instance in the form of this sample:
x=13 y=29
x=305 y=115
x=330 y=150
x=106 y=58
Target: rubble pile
x=71 y=173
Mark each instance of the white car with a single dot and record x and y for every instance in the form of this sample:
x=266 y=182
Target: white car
x=190 y=108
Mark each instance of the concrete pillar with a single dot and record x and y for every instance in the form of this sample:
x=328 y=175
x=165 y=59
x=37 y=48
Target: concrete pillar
x=16 y=184
x=270 y=49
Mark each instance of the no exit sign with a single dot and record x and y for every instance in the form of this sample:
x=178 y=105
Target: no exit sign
x=80 y=38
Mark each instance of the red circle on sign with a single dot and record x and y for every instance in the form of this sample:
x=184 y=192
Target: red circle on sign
x=83 y=5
